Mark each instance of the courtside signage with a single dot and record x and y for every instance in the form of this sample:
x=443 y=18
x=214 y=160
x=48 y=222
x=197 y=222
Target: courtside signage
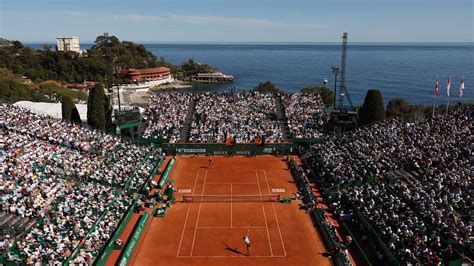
x=133 y=242
x=184 y=150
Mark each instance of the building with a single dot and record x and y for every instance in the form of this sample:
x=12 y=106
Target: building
x=147 y=74
x=214 y=77
x=67 y=44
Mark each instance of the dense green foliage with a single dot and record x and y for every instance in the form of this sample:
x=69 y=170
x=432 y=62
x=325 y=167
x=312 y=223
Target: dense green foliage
x=12 y=90
x=398 y=107
x=69 y=110
x=326 y=94
x=267 y=86
x=96 y=104
x=96 y=64
x=373 y=108
x=191 y=68
x=55 y=91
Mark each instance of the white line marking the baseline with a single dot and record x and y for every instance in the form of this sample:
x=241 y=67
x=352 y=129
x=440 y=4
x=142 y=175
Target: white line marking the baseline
x=232 y=256
x=199 y=213
x=186 y=220
x=276 y=218
x=230 y=205
x=264 y=215
x=234 y=227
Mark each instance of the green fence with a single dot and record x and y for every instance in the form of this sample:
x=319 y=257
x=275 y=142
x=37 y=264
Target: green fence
x=355 y=247
x=165 y=175
x=118 y=232
x=153 y=174
x=390 y=258
x=134 y=239
x=222 y=149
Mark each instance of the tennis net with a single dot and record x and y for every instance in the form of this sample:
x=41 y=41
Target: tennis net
x=231 y=198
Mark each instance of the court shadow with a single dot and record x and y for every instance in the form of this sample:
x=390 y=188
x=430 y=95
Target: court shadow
x=232 y=249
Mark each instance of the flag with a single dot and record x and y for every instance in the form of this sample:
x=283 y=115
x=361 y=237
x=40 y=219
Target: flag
x=449 y=86
x=461 y=88
x=436 y=89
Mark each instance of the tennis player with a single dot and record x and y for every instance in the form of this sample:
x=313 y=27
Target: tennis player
x=247 y=243
x=209 y=166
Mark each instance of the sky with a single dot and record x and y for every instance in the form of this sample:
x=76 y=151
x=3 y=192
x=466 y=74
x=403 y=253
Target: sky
x=208 y=21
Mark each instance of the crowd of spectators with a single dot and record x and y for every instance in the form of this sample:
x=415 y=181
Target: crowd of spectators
x=438 y=151
x=66 y=177
x=165 y=115
x=239 y=115
x=305 y=113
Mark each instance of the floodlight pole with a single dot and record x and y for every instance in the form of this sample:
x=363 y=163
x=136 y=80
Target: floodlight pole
x=336 y=71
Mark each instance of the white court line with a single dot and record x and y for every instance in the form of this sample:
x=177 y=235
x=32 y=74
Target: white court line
x=234 y=227
x=264 y=215
x=199 y=213
x=276 y=218
x=230 y=205
x=186 y=221
x=231 y=256
x=230 y=170
x=230 y=183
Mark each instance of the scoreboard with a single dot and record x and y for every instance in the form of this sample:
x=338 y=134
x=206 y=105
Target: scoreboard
x=127 y=116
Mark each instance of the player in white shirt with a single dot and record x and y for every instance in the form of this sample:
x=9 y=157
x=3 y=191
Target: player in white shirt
x=247 y=243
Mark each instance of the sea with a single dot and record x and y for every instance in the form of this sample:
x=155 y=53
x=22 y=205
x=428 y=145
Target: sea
x=398 y=70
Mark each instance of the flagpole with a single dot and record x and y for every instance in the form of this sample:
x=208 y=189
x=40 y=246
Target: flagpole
x=434 y=96
x=447 y=106
x=448 y=92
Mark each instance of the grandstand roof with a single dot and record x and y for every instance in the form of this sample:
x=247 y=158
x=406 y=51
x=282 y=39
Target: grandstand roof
x=51 y=109
x=54 y=109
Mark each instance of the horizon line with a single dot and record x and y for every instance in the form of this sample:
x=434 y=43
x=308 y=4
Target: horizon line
x=270 y=42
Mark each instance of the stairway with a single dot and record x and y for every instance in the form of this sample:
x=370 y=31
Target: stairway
x=282 y=121
x=185 y=132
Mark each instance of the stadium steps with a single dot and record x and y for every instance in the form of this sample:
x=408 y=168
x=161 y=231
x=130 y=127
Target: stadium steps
x=282 y=121
x=14 y=225
x=186 y=129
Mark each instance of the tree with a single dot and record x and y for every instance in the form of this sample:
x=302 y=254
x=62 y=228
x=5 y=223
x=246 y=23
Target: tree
x=267 y=86
x=373 y=109
x=398 y=107
x=69 y=110
x=12 y=91
x=326 y=94
x=95 y=107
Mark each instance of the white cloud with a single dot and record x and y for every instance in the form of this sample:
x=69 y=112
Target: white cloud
x=187 y=19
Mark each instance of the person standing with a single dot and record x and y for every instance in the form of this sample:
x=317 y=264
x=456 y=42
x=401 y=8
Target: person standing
x=209 y=165
x=247 y=243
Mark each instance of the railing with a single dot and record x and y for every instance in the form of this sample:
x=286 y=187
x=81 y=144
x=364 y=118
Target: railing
x=109 y=247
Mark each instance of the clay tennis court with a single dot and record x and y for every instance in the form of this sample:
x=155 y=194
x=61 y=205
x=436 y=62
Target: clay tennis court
x=211 y=233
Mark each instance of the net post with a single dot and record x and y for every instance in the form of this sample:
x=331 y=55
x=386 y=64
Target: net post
x=188 y=198
x=275 y=198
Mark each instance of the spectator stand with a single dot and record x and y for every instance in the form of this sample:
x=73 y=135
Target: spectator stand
x=126 y=226
x=124 y=219
x=111 y=244
x=430 y=227
x=328 y=233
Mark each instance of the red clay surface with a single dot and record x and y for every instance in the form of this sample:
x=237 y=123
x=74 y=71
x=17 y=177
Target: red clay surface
x=211 y=233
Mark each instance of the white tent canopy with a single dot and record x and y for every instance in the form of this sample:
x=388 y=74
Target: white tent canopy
x=52 y=109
